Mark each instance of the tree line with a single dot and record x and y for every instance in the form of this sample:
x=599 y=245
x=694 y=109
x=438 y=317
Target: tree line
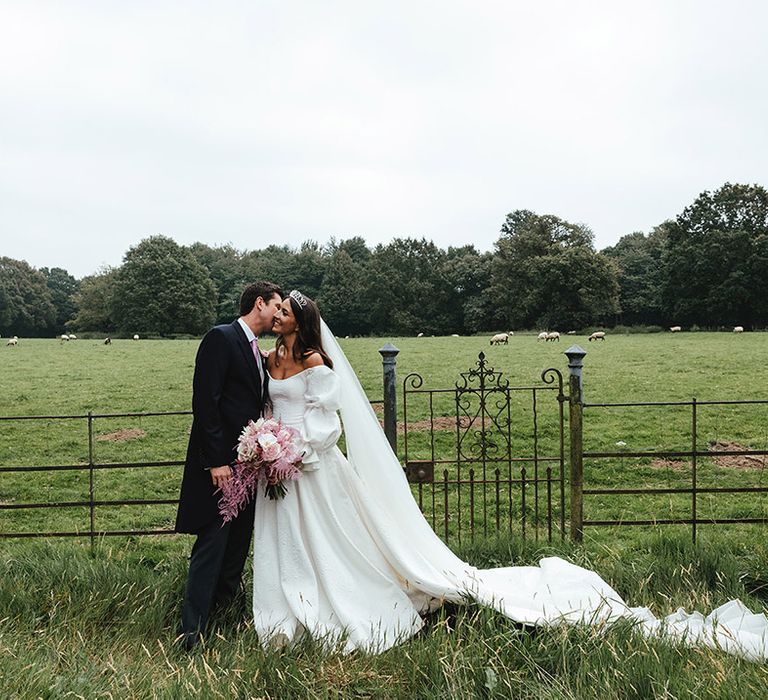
x=708 y=266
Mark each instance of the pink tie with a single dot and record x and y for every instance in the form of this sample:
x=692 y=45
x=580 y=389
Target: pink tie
x=257 y=355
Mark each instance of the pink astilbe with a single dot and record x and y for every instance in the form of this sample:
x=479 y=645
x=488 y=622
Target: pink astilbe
x=266 y=451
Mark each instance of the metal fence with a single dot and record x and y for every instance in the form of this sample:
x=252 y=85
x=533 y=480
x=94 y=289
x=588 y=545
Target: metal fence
x=693 y=491
x=85 y=429
x=89 y=469
x=694 y=455
x=484 y=476
x=483 y=456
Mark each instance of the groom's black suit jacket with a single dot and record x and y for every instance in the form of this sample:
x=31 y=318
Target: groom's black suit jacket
x=226 y=394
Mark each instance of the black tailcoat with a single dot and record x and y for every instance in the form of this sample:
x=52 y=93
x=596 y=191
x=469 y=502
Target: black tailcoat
x=226 y=394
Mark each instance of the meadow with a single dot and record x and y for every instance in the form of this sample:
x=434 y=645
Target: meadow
x=98 y=621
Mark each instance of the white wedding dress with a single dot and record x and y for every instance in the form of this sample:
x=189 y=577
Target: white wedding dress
x=348 y=557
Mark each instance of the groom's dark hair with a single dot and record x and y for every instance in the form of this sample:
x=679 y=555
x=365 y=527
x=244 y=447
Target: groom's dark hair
x=265 y=290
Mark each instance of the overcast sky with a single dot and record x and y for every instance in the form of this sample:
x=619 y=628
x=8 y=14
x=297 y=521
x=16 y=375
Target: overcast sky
x=265 y=122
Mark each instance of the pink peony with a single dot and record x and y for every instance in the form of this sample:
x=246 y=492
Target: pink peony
x=271 y=451
x=266 y=451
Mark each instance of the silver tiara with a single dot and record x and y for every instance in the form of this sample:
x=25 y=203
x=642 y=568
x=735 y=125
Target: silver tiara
x=298 y=297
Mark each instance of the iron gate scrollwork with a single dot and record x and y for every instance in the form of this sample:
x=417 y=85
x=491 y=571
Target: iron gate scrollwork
x=503 y=467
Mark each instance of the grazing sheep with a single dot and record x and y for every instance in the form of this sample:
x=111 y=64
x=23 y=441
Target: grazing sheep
x=554 y=335
x=72 y=336
x=13 y=342
x=597 y=335
x=500 y=338
x=738 y=329
x=107 y=341
x=64 y=337
x=510 y=333
x=542 y=336
x=419 y=335
x=136 y=337
x=454 y=335
x=675 y=329
x=571 y=333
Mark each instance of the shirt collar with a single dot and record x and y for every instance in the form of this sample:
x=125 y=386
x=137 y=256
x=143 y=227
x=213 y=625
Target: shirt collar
x=249 y=334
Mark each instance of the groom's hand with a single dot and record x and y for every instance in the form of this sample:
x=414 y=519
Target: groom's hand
x=220 y=475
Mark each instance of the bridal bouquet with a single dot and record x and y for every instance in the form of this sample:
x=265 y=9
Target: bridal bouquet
x=266 y=451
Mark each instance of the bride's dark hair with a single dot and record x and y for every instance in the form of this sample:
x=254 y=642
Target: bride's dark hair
x=308 y=336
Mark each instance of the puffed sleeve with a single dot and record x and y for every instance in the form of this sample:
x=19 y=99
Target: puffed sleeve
x=322 y=427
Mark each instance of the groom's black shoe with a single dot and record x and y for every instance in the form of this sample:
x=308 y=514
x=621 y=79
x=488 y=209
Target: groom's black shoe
x=188 y=640
x=232 y=610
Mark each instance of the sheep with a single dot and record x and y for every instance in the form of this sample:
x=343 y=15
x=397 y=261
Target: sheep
x=500 y=338
x=554 y=335
x=571 y=333
x=72 y=336
x=738 y=329
x=454 y=335
x=675 y=329
x=13 y=342
x=136 y=337
x=510 y=333
x=64 y=337
x=107 y=341
x=419 y=335
x=542 y=336
x=597 y=335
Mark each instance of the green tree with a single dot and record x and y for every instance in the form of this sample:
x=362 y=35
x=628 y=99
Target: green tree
x=270 y=264
x=227 y=270
x=546 y=273
x=162 y=289
x=26 y=307
x=405 y=290
x=355 y=247
x=301 y=269
x=342 y=295
x=640 y=261
x=6 y=312
x=306 y=270
x=94 y=303
x=467 y=275
x=63 y=287
x=716 y=258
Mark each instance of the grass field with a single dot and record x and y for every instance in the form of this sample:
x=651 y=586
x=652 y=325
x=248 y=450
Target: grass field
x=99 y=623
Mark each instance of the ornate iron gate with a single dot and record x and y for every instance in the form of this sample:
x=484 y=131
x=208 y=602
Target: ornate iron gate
x=485 y=456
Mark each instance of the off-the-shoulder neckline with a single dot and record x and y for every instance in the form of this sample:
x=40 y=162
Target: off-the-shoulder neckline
x=291 y=376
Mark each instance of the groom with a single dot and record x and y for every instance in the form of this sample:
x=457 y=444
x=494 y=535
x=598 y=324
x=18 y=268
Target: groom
x=228 y=390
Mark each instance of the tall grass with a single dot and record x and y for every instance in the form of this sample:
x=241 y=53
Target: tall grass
x=98 y=624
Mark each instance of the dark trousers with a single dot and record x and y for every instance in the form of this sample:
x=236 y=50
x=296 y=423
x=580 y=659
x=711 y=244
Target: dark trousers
x=215 y=570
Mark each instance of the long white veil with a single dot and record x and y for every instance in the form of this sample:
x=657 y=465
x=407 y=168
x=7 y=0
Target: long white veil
x=553 y=592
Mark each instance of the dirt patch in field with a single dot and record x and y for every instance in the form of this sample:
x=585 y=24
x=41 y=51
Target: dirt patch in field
x=417 y=426
x=674 y=464
x=438 y=423
x=725 y=460
x=123 y=435
x=735 y=461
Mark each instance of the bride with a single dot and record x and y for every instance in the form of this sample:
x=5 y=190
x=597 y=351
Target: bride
x=348 y=558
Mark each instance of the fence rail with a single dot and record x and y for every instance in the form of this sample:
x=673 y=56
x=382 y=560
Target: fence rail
x=490 y=481
x=480 y=479
x=91 y=467
x=578 y=491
